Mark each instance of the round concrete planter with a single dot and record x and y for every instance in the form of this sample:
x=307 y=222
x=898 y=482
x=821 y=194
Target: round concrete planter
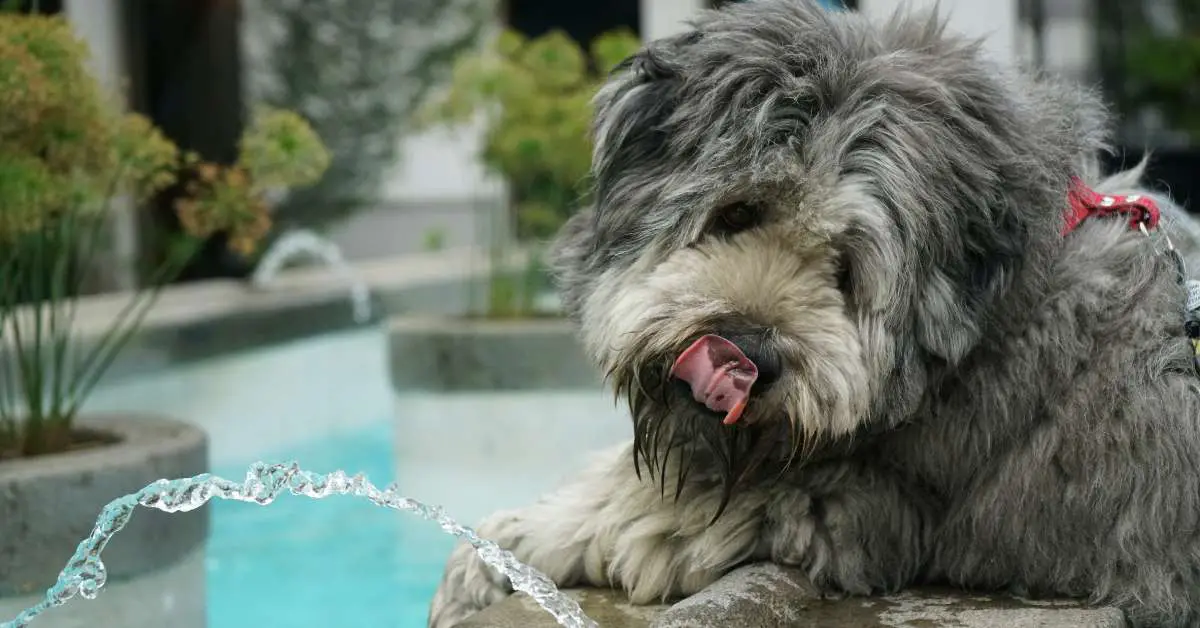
x=455 y=354
x=49 y=504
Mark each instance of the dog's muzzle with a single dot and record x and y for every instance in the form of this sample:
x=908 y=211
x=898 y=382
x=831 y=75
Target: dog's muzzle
x=723 y=371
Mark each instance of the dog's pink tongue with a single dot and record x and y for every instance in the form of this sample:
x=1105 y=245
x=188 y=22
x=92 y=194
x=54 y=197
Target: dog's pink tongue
x=719 y=373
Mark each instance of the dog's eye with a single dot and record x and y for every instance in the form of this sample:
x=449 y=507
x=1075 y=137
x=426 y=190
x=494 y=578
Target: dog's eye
x=737 y=217
x=843 y=274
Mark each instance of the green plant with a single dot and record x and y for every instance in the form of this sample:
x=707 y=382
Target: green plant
x=66 y=154
x=434 y=240
x=535 y=98
x=1163 y=68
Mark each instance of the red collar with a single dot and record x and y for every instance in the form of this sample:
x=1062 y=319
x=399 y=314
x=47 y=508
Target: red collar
x=1085 y=202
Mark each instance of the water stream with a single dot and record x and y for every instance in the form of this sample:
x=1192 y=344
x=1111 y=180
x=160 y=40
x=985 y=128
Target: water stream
x=303 y=243
x=85 y=573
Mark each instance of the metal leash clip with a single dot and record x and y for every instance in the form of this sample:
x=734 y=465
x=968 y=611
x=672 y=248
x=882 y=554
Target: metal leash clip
x=1191 y=320
x=1191 y=308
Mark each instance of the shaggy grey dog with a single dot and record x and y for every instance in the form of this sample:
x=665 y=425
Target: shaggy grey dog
x=826 y=268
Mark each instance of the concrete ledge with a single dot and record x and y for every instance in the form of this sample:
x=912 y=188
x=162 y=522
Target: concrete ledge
x=48 y=504
x=766 y=596
x=609 y=608
x=458 y=354
x=205 y=319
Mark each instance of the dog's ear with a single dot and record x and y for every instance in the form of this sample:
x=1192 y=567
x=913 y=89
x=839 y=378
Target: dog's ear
x=956 y=300
x=947 y=324
x=573 y=246
x=968 y=180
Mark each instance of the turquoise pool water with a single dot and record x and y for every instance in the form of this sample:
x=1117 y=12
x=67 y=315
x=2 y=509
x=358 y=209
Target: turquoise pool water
x=329 y=403
x=339 y=561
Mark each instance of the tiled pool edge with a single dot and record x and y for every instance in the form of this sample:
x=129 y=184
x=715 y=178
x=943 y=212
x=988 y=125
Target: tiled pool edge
x=767 y=596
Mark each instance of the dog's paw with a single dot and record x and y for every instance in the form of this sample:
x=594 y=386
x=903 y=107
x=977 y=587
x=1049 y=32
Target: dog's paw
x=470 y=585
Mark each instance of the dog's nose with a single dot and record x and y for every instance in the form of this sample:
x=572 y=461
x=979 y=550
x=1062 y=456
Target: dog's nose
x=758 y=347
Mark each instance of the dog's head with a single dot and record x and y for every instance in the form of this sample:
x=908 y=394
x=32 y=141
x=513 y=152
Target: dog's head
x=801 y=220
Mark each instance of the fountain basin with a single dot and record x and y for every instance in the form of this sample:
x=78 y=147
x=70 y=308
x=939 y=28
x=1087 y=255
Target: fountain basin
x=49 y=503
x=283 y=371
x=470 y=355
x=495 y=413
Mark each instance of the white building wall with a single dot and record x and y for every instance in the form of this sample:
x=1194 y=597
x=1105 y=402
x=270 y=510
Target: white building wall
x=662 y=18
x=996 y=20
x=98 y=23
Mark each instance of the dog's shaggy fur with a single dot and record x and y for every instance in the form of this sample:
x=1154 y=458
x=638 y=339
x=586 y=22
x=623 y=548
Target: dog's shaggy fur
x=964 y=395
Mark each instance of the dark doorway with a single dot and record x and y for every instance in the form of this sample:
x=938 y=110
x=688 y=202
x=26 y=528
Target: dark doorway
x=582 y=21
x=42 y=7
x=185 y=68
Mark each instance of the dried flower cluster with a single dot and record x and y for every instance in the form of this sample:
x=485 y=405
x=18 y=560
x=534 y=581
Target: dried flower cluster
x=279 y=150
